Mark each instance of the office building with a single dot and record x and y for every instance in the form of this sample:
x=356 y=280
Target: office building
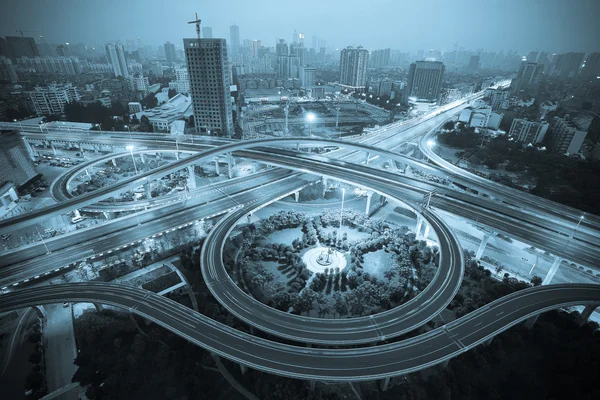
x=527 y=132
x=139 y=83
x=353 y=67
x=567 y=136
x=473 y=63
x=7 y=70
x=18 y=46
x=234 y=36
x=52 y=65
x=15 y=163
x=496 y=96
x=116 y=57
x=379 y=58
x=170 y=54
x=567 y=65
x=210 y=81
x=424 y=83
x=52 y=99
x=591 y=69
x=207 y=32
x=182 y=81
x=528 y=78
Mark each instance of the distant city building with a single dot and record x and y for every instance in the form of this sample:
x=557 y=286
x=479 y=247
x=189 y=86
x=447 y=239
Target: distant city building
x=52 y=65
x=481 y=118
x=307 y=77
x=528 y=78
x=591 y=70
x=567 y=136
x=353 y=67
x=207 y=32
x=474 y=63
x=288 y=62
x=234 y=36
x=18 y=46
x=210 y=81
x=424 y=83
x=64 y=50
x=116 y=57
x=52 y=99
x=139 y=83
x=381 y=88
x=15 y=163
x=379 y=58
x=182 y=81
x=567 y=65
x=7 y=70
x=156 y=69
x=170 y=53
x=526 y=132
x=592 y=139
x=496 y=97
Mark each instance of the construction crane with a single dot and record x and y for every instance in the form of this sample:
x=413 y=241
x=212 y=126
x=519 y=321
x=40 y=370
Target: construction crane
x=197 y=22
x=21 y=32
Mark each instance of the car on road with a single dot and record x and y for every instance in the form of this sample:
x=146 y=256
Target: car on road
x=66 y=304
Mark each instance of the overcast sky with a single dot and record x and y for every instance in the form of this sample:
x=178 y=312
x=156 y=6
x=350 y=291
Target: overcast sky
x=523 y=25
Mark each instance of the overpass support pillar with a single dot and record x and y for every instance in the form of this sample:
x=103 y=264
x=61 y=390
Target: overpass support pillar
x=143 y=158
x=30 y=150
x=385 y=383
x=98 y=307
x=53 y=148
x=114 y=162
x=312 y=386
x=553 y=269
x=488 y=342
x=96 y=148
x=530 y=322
x=106 y=214
x=297 y=146
x=445 y=364
x=229 y=166
x=191 y=177
x=419 y=226
x=249 y=216
x=368 y=207
x=296 y=196
x=243 y=369
x=217 y=166
x=587 y=311
x=367 y=159
x=484 y=241
x=148 y=191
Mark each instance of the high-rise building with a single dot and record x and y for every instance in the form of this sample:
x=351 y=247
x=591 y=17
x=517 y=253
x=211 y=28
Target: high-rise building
x=15 y=164
x=7 y=70
x=139 y=83
x=353 y=67
x=116 y=57
x=591 y=69
x=234 y=36
x=207 y=32
x=255 y=48
x=593 y=137
x=170 y=53
x=496 y=96
x=64 y=50
x=474 y=63
x=567 y=136
x=288 y=62
x=424 y=83
x=210 y=81
x=526 y=132
x=567 y=65
x=307 y=77
x=52 y=65
x=21 y=47
x=379 y=58
x=528 y=77
x=52 y=99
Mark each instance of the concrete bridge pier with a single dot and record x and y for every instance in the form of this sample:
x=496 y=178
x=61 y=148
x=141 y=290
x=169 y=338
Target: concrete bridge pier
x=114 y=162
x=484 y=241
x=587 y=312
x=367 y=158
x=249 y=216
x=420 y=221
x=368 y=207
x=385 y=383
x=53 y=148
x=296 y=196
x=229 y=166
x=106 y=214
x=553 y=269
x=148 y=190
x=191 y=177
x=30 y=150
x=243 y=369
x=143 y=158
x=99 y=307
x=530 y=322
x=217 y=166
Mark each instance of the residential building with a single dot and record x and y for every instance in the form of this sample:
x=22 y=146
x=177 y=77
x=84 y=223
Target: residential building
x=182 y=81
x=424 y=83
x=207 y=32
x=15 y=164
x=139 y=83
x=567 y=136
x=496 y=96
x=591 y=69
x=210 y=81
x=527 y=132
x=307 y=77
x=134 y=107
x=379 y=58
x=52 y=65
x=7 y=70
x=381 y=88
x=170 y=53
x=18 y=46
x=116 y=57
x=288 y=62
x=52 y=99
x=528 y=78
x=353 y=67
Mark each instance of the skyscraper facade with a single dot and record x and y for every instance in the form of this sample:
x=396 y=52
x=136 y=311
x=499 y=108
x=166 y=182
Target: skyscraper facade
x=424 y=83
x=353 y=67
x=567 y=65
x=52 y=99
x=170 y=53
x=7 y=70
x=21 y=47
x=234 y=35
x=210 y=82
x=379 y=58
x=116 y=57
x=591 y=70
x=15 y=164
x=528 y=77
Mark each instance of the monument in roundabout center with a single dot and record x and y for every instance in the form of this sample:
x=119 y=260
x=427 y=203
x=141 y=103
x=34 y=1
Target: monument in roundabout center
x=321 y=258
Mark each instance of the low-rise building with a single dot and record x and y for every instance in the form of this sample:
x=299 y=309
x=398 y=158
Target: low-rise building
x=481 y=118
x=135 y=107
x=567 y=136
x=179 y=107
x=527 y=132
x=52 y=99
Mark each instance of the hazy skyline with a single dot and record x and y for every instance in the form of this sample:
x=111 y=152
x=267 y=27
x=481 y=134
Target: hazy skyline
x=550 y=25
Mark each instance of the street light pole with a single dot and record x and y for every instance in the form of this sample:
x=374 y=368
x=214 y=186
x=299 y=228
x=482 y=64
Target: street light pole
x=130 y=148
x=577 y=226
x=341 y=212
x=43 y=241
